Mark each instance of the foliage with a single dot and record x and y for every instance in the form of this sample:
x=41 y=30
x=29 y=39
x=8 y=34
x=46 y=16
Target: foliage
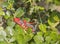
x=39 y=12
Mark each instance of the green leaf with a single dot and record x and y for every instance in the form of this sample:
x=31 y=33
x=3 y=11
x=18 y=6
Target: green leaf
x=20 y=39
x=48 y=39
x=6 y=16
x=8 y=13
x=55 y=16
x=41 y=8
x=1 y=13
x=19 y=30
x=52 y=22
x=57 y=2
x=11 y=1
x=38 y=8
x=28 y=37
x=39 y=38
x=10 y=23
x=19 y=34
x=32 y=42
x=5 y=4
x=10 y=30
x=54 y=36
x=29 y=30
x=47 y=33
x=19 y=12
x=3 y=42
x=42 y=27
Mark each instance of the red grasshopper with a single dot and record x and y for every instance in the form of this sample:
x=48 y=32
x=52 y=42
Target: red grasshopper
x=24 y=24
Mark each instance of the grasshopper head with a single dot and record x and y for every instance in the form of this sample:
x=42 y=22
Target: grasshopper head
x=16 y=19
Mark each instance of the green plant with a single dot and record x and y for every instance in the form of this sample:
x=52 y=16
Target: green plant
x=46 y=22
